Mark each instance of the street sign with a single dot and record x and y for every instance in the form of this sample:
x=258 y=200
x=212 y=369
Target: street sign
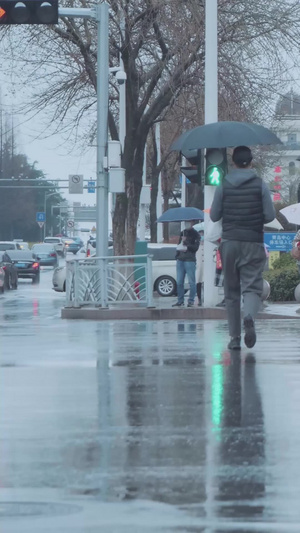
x=70 y=223
x=91 y=186
x=40 y=223
x=279 y=242
x=40 y=217
x=75 y=183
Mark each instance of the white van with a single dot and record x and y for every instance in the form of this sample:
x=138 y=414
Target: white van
x=163 y=268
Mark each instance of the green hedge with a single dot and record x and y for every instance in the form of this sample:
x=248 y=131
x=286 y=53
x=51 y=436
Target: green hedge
x=283 y=279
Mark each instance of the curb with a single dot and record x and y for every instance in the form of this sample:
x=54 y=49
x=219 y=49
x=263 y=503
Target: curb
x=153 y=313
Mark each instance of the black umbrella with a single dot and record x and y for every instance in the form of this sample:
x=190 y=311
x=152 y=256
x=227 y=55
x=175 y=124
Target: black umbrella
x=224 y=134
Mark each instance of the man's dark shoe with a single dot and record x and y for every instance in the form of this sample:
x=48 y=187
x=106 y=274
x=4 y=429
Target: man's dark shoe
x=221 y=304
x=190 y=304
x=235 y=343
x=178 y=304
x=250 y=335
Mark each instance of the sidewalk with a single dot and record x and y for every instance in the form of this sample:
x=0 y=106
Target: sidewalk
x=163 y=311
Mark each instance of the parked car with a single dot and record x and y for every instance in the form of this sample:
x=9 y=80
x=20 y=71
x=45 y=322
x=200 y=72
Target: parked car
x=74 y=245
x=163 y=270
x=58 y=244
x=2 y=280
x=9 y=245
x=26 y=264
x=46 y=254
x=10 y=271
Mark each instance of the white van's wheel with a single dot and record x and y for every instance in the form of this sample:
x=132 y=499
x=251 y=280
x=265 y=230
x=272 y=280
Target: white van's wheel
x=165 y=286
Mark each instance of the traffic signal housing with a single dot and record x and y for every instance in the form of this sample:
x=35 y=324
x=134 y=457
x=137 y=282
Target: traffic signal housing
x=193 y=172
x=216 y=166
x=28 y=12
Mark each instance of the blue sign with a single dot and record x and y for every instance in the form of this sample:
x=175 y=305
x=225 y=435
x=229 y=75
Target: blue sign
x=41 y=217
x=279 y=242
x=91 y=186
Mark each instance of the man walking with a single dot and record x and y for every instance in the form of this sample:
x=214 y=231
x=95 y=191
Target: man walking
x=244 y=203
x=186 y=264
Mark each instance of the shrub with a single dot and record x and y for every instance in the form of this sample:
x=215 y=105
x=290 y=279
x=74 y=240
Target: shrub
x=285 y=260
x=284 y=280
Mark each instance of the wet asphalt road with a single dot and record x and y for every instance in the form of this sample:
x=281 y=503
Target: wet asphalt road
x=144 y=426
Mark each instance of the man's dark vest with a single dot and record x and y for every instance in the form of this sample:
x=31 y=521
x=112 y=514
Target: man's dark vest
x=243 y=211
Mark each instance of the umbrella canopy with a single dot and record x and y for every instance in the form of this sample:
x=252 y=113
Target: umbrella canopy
x=224 y=134
x=275 y=224
x=292 y=213
x=181 y=214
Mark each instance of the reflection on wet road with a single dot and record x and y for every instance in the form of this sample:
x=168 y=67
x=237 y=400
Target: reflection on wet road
x=155 y=411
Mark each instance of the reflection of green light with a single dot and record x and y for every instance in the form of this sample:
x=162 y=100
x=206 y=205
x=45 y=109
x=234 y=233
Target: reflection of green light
x=217 y=391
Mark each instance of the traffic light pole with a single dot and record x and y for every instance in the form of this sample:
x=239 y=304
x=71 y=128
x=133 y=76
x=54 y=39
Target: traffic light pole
x=211 y=115
x=100 y=14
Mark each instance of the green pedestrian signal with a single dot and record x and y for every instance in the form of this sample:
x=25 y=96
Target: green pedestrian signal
x=214 y=176
x=216 y=166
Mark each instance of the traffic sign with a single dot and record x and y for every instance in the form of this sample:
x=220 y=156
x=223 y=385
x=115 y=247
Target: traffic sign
x=91 y=186
x=279 y=241
x=70 y=223
x=40 y=223
x=41 y=217
x=75 y=183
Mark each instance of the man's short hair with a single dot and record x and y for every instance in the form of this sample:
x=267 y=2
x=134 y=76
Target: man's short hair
x=242 y=156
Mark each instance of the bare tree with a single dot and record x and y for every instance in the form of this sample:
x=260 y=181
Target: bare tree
x=162 y=48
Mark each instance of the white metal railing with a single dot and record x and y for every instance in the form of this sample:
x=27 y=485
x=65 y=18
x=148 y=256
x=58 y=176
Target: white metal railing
x=106 y=281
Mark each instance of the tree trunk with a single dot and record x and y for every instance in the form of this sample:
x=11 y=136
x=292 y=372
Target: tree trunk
x=126 y=212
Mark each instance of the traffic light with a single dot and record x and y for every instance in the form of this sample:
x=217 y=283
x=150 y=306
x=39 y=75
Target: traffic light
x=216 y=166
x=28 y=12
x=193 y=172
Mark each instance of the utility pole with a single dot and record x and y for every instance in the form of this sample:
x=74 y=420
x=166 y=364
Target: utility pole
x=211 y=115
x=102 y=128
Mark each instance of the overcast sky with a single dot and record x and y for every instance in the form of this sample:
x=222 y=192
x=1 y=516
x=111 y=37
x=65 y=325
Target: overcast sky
x=55 y=157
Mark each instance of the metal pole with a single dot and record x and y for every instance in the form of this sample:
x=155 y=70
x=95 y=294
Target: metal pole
x=211 y=115
x=143 y=206
x=122 y=93
x=183 y=191
x=159 y=198
x=102 y=114
x=45 y=205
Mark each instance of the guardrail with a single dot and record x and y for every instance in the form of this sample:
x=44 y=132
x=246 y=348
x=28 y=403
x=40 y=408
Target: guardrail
x=107 y=281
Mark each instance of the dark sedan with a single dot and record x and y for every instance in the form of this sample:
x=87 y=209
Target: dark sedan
x=26 y=264
x=45 y=254
x=11 y=273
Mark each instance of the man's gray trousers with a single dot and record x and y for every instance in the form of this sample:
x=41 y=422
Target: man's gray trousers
x=243 y=264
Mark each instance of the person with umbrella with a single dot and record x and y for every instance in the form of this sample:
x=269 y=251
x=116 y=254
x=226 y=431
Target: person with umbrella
x=244 y=204
x=186 y=264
